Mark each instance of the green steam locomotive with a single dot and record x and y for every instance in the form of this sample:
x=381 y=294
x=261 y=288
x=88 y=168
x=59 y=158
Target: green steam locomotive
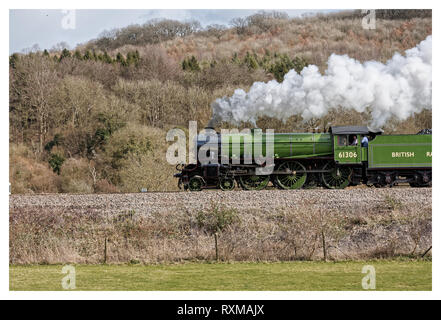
x=346 y=155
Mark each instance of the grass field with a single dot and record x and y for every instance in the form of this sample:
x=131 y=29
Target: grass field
x=390 y=275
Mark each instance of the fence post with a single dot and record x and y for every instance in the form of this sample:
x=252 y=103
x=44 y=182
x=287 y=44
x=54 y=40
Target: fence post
x=324 y=247
x=105 y=250
x=215 y=245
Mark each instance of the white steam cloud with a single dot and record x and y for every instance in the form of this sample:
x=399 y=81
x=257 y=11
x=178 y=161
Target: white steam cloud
x=398 y=88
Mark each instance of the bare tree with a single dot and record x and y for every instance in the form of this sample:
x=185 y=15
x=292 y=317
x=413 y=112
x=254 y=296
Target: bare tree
x=60 y=46
x=265 y=20
x=216 y=30
x=34 y=49
x=34 y=80
x=240 y=24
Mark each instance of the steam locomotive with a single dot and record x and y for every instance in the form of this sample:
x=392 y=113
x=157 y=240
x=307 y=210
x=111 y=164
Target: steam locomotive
x=334 y=160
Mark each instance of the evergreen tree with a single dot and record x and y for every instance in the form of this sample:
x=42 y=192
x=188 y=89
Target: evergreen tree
x=235 y=58
x=251 y=61
x=107 y=58
x=281 y=67
x=132 y=58
x=185 y=65
x=120 y=59
x=77 y=55
x=265 y=61
x=13 y=60
x=65 y=54
x=56 y=161
x=88 y=55
x=299 y=64
x=193 y=64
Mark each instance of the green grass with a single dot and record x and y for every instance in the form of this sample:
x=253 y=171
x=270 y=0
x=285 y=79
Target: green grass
x=390 y=275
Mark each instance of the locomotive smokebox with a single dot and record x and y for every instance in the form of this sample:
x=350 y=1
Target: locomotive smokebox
x=210 y=129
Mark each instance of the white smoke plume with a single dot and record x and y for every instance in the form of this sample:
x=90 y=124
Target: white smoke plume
x=398 y=88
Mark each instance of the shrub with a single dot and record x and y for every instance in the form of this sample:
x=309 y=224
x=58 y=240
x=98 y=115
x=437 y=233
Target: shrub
x=28 y=175
x=216 y=219
x=307 y=231
x=131 y=140
x=56 y=141
x=191 y=64
x=76 y=186
x=56 y=161
x=143 y=167
x=104 y=186
x=76 y=177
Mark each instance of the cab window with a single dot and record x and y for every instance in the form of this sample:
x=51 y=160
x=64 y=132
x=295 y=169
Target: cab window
x=353 y=140
x=342 y=141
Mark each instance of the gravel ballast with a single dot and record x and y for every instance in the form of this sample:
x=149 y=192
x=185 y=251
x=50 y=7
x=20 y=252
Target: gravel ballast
x=264 y=200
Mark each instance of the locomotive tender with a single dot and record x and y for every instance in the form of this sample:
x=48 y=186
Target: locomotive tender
x=333 y=160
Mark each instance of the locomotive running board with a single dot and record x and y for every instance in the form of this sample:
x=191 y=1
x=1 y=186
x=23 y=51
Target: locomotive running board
x=283 y=172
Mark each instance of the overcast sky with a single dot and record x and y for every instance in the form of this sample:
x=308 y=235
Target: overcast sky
x=49 y=27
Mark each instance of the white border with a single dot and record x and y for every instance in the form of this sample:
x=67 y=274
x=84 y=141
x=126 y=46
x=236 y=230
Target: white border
x=226 y=4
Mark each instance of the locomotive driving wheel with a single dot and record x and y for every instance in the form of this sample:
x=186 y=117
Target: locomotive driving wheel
x=337 y=177
x=195 y=184
x=295 y=177
x=254 y=182
x=226 y=183
x=421 y=179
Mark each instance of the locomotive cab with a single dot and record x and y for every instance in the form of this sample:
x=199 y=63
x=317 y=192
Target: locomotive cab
x=347 y=143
